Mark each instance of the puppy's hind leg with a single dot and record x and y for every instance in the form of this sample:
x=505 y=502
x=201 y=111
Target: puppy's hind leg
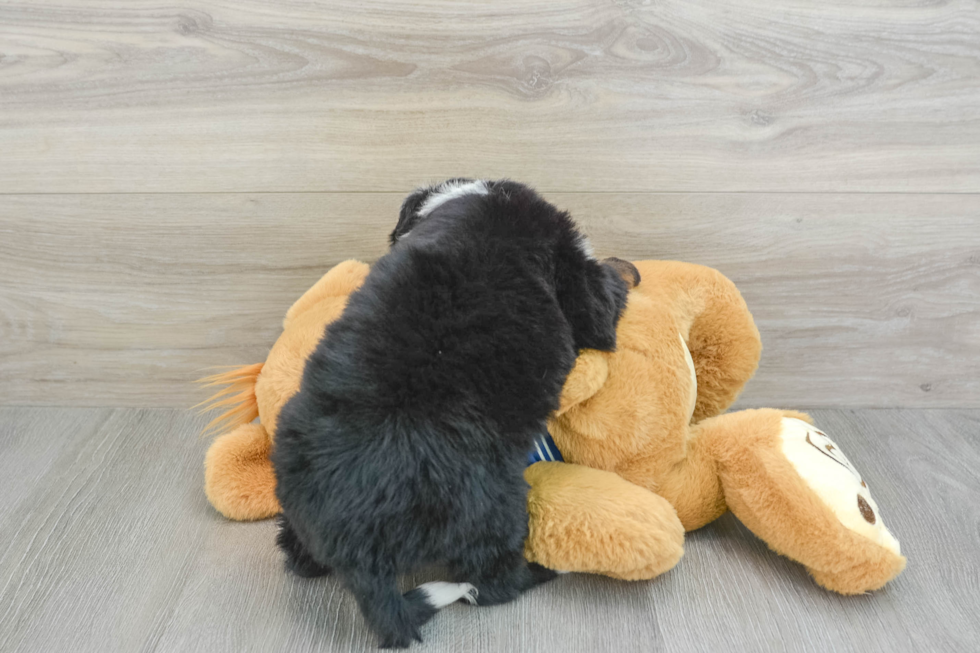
x=503 y=577
x=439 y=594
x=298 y=559
x=396 y=618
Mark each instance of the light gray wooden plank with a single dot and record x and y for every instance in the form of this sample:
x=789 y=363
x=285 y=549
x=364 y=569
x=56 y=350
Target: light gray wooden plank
x=270 y=610
x=117 y=550
x=108 y=300
x=92 y=559
x=669 y=95
x=32 y=442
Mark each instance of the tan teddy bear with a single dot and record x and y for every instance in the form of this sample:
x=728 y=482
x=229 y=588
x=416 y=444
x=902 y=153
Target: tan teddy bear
x=647 y=452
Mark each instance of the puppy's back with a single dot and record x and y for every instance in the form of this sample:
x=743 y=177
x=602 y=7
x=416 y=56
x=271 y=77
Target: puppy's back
x=406 y=442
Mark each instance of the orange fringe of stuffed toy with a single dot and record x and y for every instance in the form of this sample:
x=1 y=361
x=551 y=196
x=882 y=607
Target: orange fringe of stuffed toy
x=237 y=398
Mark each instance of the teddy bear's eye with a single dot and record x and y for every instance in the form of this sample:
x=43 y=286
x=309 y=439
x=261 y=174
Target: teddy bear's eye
x=866 y=511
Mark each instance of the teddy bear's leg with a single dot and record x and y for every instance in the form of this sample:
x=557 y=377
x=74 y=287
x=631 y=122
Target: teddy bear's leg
x=588 y=520
x=791 y=485
x=691 y=485
x=238 y=476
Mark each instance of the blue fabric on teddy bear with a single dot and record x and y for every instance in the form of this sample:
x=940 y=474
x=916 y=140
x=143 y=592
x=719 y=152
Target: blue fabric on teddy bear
x=543 y=449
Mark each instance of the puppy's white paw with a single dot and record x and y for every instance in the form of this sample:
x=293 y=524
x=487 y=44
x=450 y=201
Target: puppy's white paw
x=439 y=594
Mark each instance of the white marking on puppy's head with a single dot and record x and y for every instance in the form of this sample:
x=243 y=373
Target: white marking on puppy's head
x=585 y=246
x=449 y=191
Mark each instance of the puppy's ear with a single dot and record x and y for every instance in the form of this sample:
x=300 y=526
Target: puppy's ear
x=592 y=295
x=408 y=216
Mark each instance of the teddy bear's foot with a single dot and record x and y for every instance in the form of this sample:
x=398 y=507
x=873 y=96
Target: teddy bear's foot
x=863 y=577
x=588 y=520
x=873 y=556
x=238 y=476
x=791 y=485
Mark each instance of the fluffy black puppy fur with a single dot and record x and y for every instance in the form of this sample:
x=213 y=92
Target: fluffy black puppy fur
x=406 y=443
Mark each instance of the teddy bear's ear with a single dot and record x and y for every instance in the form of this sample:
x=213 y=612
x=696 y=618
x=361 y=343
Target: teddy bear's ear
x=589 y=374
x=340 y=281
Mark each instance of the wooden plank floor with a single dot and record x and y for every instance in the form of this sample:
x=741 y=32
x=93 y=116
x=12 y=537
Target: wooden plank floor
x=108 y=544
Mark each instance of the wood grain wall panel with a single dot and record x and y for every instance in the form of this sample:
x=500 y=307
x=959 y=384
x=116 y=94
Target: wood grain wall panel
x=862 y=300
x=625 y=95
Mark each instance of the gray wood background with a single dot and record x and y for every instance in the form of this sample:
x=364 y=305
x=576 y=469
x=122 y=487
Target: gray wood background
x=108 y=544
x=173 y=176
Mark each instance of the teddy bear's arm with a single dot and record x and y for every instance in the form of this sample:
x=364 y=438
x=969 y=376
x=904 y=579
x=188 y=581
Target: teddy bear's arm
x=716 y=325
x=588 y=375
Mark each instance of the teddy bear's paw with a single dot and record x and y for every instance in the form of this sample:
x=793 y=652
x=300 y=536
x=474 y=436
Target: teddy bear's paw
x=834 y=479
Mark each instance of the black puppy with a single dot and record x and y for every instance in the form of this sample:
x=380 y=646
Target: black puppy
x=406 y=443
